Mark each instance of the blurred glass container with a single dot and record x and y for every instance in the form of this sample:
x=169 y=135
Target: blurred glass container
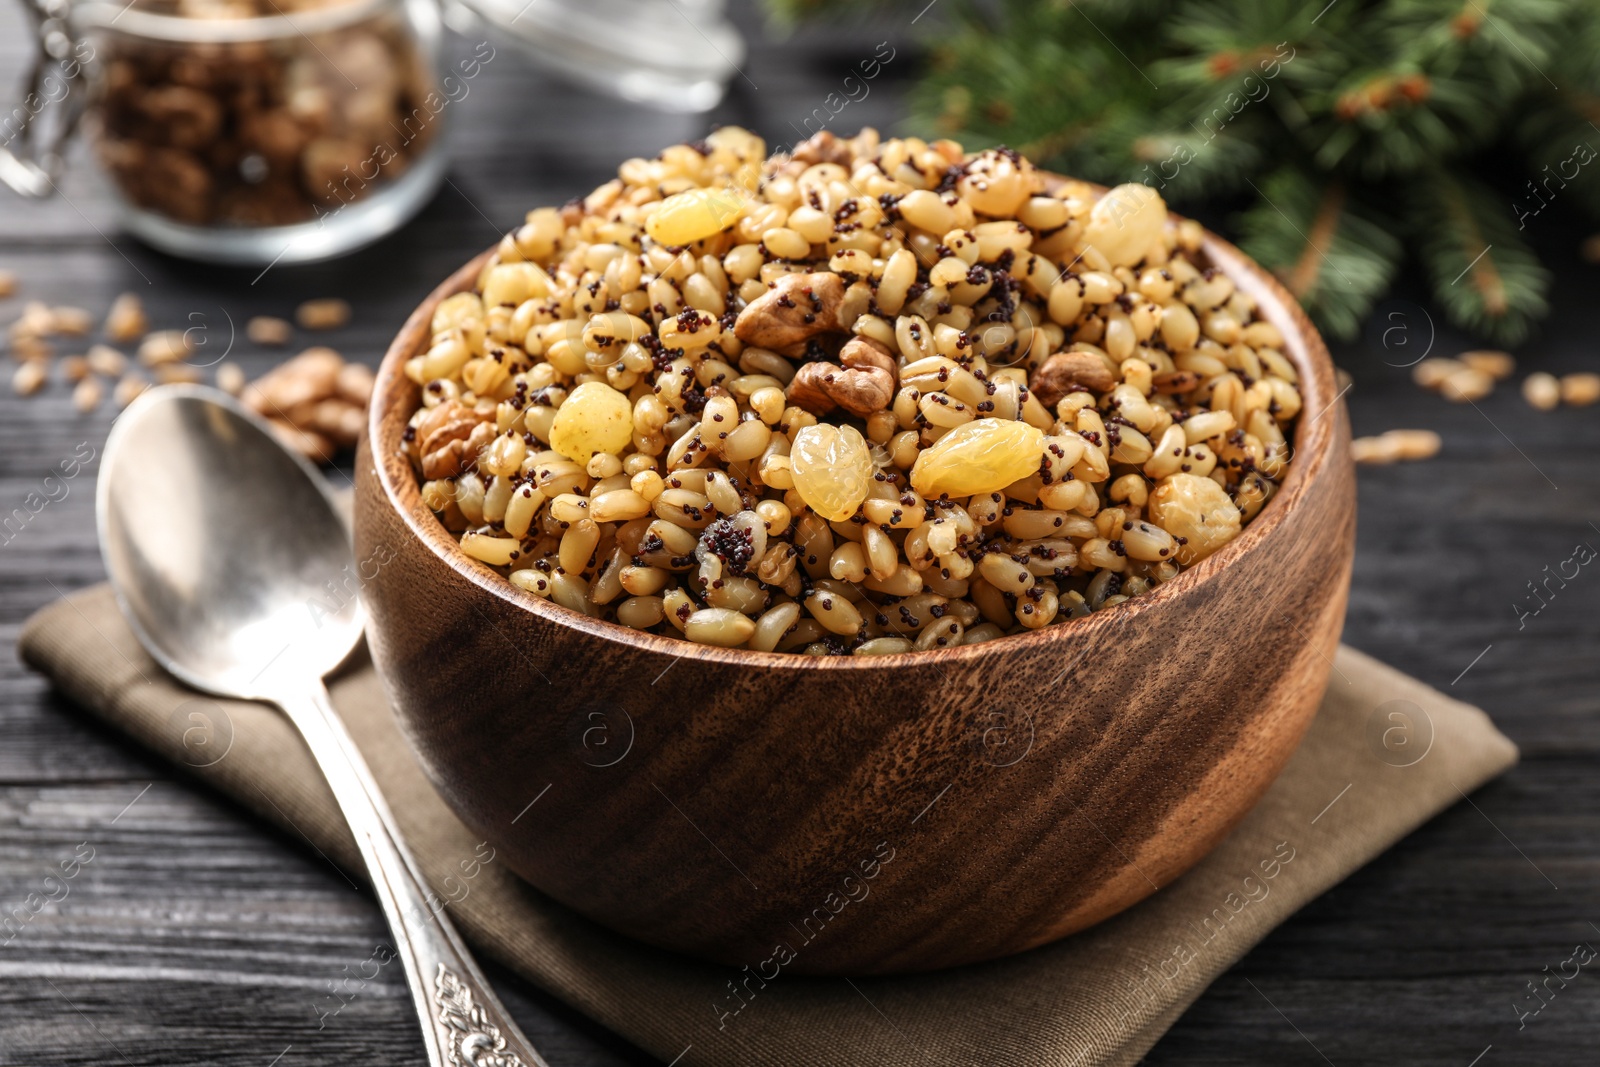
x=671 y=55
x=243 y=131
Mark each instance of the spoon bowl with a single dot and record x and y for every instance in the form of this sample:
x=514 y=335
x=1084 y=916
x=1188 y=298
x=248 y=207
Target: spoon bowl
x=227 y=553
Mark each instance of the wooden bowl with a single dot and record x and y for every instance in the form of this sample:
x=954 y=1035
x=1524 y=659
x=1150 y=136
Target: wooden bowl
x=862 y=815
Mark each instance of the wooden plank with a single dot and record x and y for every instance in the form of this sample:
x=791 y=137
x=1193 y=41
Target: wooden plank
x=170 y=936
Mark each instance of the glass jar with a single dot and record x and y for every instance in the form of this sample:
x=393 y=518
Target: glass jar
x=244 y=131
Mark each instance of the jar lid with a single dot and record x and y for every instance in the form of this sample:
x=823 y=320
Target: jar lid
x=671 y=55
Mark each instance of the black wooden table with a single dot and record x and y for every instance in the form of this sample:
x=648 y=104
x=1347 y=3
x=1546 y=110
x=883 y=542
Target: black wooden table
x=197 y=935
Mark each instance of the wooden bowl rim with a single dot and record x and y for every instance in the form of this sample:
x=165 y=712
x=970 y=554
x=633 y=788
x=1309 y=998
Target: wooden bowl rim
x=1310 y=456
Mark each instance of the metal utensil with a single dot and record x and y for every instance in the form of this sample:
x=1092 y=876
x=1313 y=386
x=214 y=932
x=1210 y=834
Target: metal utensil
x=233 y=566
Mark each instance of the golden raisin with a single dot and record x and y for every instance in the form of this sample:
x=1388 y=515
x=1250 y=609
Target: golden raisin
x=984 y=456
x=832 y=469
x=594 y=418
x=694 y=215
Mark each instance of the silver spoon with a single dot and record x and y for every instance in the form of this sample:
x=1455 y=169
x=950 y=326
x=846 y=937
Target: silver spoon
x=233 y=566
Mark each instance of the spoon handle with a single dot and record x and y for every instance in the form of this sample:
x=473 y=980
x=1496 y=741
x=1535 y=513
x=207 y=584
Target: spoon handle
x=463 y=1023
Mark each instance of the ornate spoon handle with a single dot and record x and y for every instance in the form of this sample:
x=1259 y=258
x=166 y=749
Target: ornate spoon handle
x=463 y=1023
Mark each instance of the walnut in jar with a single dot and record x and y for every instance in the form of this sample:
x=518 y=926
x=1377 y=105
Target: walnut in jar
x=263 y=132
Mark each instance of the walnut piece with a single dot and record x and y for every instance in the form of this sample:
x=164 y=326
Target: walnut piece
x=865 y=383
x=306 y=378
x=316 y=447
x=317 y=394
x=809 y=387
x=870 y=376
x=1062 y=372
x=452 y=435
x=797 y=308
x=823 y=147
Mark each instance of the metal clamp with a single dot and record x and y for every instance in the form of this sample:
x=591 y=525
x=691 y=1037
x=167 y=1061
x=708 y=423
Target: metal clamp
x=31 y=152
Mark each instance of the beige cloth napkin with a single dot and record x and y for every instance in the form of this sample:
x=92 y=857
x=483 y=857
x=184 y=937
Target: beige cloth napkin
x=1384 y=754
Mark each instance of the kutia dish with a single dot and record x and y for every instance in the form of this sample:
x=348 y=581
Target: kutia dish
x=872 y=397
x=718 y=800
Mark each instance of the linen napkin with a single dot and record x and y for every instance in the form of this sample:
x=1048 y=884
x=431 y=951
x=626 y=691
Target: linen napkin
x=1384 y=754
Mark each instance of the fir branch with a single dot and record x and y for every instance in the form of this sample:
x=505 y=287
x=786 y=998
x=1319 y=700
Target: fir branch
x=1512 y=42
x=1041 y=79
x=1560 y=128
x=1577 y=63
x=1561 y=138
x=1481 y=272
x=1374 y=102
x=1380 y=121
x=1221 y=43
x=1435 y=79
x=1329 y=251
